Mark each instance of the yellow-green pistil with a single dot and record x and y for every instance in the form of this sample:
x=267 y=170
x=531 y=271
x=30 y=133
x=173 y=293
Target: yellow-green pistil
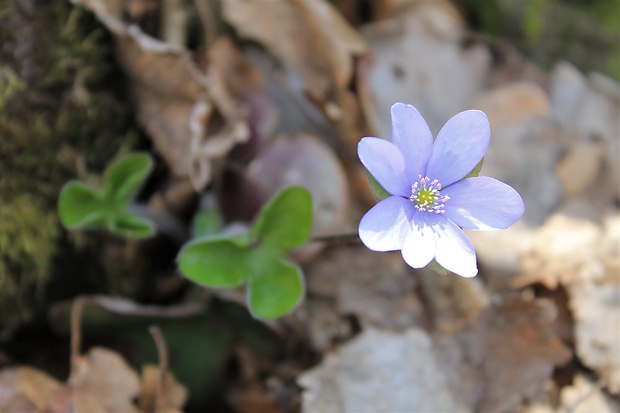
x=426 y=195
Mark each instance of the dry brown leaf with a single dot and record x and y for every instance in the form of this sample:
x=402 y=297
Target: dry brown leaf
x=24 y=389
x=349 y=281
x=191 y=118
x=317 y=43
x=170 y=397
x=310 y=36
x=505 y=356
x=253 y=401
x=103 y=377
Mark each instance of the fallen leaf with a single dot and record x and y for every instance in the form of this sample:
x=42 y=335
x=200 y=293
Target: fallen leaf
x=378 y=289
x=172 y=396
x=191 y=118
x=24 y=389
x=103 y=376
x=314 y=42
x=504 y=356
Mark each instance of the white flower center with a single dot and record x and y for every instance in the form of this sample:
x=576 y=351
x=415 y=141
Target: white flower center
x=426 y=195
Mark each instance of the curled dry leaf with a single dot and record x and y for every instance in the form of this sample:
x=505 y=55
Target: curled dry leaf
x=313 y=40
x=169 y=396
x=191 y=118
x=504 y=357
x=24 y=389
x=102 y=375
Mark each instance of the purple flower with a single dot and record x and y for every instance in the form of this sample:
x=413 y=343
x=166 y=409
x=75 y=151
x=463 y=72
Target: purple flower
x=430 y=201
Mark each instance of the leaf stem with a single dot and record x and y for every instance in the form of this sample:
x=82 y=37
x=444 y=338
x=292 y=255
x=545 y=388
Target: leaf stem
x=164 y=223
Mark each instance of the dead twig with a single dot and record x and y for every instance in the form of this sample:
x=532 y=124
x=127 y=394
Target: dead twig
x=162 y=354
x=126 y=307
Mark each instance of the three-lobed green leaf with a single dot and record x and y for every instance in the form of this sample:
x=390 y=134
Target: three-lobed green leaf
x=286 y=220
x=275 y=285
x=217 y=261
x=123 y=178
x=275 y=288
x=81 y=205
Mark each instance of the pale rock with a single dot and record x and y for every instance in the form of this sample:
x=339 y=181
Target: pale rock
x=380 y=372
x=415 y=62
x=583 y=396
x=563 y=249
x=500 y=253
x=580 y=167
x=525 y=156
x=595 y=304
x=567 y=86
x=591 y=107
x=512 y=104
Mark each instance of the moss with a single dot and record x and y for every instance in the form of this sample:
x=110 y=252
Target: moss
x=63 y=112
x=26 y=248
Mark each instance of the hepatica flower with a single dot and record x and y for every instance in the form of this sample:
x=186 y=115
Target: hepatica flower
x=430 y=198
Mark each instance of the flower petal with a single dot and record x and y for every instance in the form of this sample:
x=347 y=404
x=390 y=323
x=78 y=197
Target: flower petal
x=420 y=246
x=455 y=251
x=460 y=145
x=383 y=228
x=385 y=162
x=411 y=134
x=482 y=203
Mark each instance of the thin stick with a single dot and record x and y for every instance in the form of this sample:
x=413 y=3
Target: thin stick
x=162 y=354
x=76 y=330
x=123 y=306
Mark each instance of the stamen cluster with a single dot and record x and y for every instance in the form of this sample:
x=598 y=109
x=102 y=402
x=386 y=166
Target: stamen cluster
x=426 y=196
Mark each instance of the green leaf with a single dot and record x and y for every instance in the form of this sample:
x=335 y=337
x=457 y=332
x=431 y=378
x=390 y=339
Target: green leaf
x=80 y=205
x=123 y=178
x=377 y=190
x=206 y=222
x=217 y=261
x=131 y=226
x=286 y=220
x=275 y=288
x=476 y=171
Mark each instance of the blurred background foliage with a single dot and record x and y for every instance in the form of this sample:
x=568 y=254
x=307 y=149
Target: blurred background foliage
x=583 y=32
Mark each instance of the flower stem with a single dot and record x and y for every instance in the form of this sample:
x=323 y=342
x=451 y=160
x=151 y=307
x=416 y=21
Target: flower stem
x=338 y=239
